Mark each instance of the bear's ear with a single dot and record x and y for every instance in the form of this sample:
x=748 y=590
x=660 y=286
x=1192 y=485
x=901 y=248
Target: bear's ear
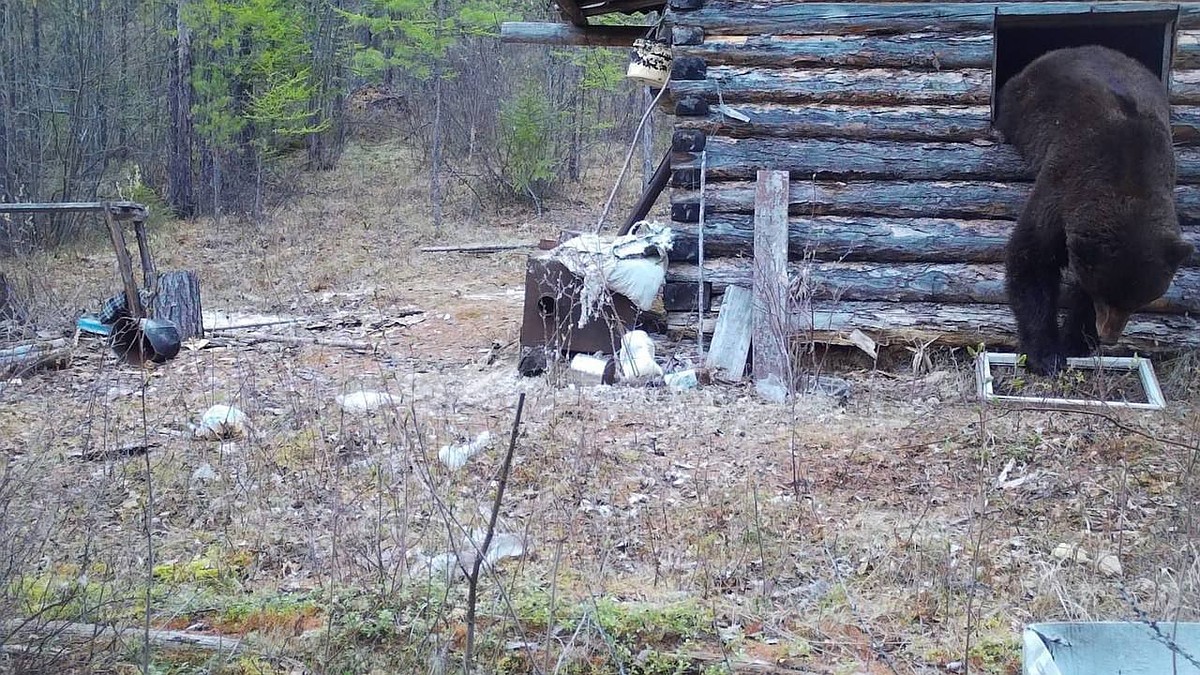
x=1178 y=251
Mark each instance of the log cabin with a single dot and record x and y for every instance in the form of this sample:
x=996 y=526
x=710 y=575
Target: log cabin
x=901 y=195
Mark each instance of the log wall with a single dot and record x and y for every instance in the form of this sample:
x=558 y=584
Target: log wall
x=901 y=195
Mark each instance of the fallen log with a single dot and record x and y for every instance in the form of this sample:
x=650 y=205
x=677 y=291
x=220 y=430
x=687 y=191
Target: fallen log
x=22 y=629
x=353 y=345
x=23 y=359
x=478 y=248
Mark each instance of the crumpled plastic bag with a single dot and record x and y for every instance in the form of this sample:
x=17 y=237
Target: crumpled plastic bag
x=633 y=265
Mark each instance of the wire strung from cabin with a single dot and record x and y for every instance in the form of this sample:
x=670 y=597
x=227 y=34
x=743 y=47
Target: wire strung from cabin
x=629 y=155
x=700 y=261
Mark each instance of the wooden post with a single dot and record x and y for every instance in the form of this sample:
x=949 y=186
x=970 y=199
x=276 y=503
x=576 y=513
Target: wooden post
x=132 y=300
x=772 y=367
x=149 y=277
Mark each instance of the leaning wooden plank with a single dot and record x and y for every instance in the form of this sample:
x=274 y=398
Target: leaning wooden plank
x=547 y=33
x=886 y=86
x=953 y=283
x=769 y=277
x=864 y=238
x=879 y=122
x=133 y=301
x=916 y=199
x=734 y=158
x=915 y=51
x=731 y=340
x=737 y=84
x=890 y=323
x=737 y=17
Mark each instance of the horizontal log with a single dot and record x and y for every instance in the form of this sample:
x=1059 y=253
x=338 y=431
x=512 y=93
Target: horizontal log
x=733 y=158
x=886 y=86
x=913 y=51
x=880 y=122
x=736 y=84
x=953 y=283
x=890 y=323
x=737 y=17
x=834 y=238
x=907 y=199
x=547 y=33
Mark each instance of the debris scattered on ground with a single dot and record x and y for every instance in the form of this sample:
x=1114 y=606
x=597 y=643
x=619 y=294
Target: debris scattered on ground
x=636 y=357
x=633 y=265
x=456 y=455
x=221 y=422
x=682 y=380
x=363 y=402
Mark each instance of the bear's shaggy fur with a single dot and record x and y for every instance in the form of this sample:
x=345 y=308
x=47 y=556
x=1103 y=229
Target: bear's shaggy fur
x=1094 y=126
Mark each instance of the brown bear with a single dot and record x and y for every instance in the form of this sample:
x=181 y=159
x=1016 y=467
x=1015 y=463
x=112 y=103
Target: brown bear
x=1094 y=126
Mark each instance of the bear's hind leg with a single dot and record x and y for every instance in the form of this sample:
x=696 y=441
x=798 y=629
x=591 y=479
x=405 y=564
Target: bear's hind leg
x=1033 y=270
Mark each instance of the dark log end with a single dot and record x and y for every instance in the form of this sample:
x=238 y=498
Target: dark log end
x=687 y=35
x=689 y=68
x=688 y=140
x=686 y=178
x=683 y=297
x=685 y=5
x=691 y=106
x=685 y=213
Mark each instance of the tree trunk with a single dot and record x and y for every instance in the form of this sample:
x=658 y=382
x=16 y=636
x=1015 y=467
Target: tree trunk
x=435 y=177
x=180 y=192
x=178 y=299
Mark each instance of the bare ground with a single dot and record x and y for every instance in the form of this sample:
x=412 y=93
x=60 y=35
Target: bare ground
x=911 y=530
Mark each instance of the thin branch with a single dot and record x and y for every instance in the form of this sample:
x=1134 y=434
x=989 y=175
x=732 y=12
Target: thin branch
x=473 y=580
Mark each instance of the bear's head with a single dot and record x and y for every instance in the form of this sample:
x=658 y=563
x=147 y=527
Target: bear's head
x=1123 y=270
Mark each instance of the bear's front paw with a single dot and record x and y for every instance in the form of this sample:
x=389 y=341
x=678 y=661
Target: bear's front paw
x=1045 y=364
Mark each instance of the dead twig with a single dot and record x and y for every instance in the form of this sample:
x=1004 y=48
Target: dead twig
x=473 y=578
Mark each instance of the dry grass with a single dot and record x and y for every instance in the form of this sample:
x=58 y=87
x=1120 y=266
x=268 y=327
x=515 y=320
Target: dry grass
x=665 y=532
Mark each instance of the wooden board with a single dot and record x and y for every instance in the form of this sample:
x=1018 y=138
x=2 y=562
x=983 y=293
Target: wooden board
x=731 y=338
x=770 y=281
